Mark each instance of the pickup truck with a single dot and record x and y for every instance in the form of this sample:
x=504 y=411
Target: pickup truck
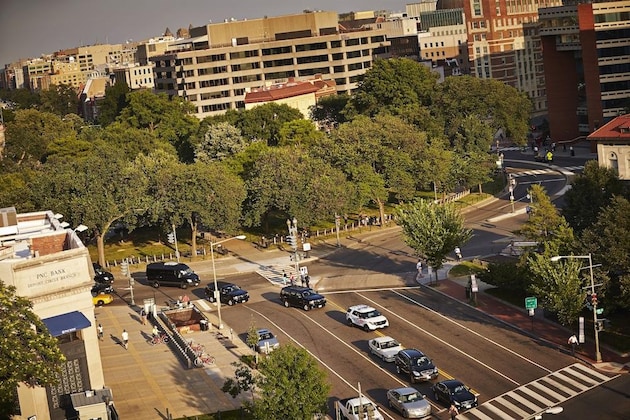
x=359 y=408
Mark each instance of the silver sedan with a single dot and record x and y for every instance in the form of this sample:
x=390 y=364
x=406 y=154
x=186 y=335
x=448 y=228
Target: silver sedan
x=409 y=402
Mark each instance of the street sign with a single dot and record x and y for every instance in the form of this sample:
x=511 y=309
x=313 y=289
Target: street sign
x=531 y=302
x=599 y=311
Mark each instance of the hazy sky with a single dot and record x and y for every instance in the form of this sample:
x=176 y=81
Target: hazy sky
x=29 y=28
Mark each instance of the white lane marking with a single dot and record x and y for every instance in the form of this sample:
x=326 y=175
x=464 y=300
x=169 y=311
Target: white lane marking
x=501 y=346
x=328 y=367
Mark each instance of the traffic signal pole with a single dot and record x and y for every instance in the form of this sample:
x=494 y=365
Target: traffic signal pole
x=292 y=238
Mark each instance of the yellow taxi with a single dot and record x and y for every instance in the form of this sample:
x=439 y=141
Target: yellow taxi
x=102 y=299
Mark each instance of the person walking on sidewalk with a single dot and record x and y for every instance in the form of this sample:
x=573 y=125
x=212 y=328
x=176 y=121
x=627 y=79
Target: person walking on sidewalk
x=458 y=253
x=143 y=315
x=99 y=329
x=419 y=268
x=125 y=339
x=573 y=341
x=453 y=411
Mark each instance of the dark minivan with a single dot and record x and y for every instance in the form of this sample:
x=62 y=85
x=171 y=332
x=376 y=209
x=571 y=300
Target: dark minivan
x=229 y=293
x=171 y=274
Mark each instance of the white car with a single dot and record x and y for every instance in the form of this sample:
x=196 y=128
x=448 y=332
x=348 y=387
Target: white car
x=384 y=347
x=366 y=317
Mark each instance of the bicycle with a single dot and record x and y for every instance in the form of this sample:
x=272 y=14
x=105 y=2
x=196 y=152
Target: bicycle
x=158 y=339
x=204 y=359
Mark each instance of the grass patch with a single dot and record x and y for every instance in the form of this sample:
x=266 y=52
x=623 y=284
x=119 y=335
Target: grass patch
x=514 y=297
x=465 y=268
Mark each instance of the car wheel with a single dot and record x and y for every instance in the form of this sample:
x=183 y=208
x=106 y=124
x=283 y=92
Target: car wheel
x=211 y=299
x=366 y=328
x=156 y=284
x=382 y=357
x=397 y=369
x=350 y=323
x=405 y=414
x=437 y=397
x=184 y=285
x=100 y=303
x=306 y=307
x=389 y=403
x=230 y=302
x=286 y=303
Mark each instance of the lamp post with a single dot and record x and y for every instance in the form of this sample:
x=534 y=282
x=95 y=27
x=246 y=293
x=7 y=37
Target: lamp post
x=598 y=355
x=217 y=297
x=292 y=226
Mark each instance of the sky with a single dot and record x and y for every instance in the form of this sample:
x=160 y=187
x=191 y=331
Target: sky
x=30 y=28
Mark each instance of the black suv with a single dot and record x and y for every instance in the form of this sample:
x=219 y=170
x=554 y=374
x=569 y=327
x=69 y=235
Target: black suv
x=414 y=363
x=302 y=297
x=229 y=293
x=102 y=276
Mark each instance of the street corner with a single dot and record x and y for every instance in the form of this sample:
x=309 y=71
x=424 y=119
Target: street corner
x=612 y=367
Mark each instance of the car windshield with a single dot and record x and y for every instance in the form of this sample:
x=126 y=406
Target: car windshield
x=371 y=314
x=307 y=293
x=230 y=288
x=459 y=389
x=421 y=361
x=390 y=344
x=265 y=336
x=186 y=272
x=410 y=397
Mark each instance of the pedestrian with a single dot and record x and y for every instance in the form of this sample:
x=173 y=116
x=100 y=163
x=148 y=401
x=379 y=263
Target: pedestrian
x=458 y=253
x=186 y=300
x=419 y=268
x=143 y=315
x=99 y=329
x=573 y=341
x=125 y=339
x=155 y=332
x=453 y=411
x=292 y=280
x=307 y=279
x=302 y=279
x=284 y=277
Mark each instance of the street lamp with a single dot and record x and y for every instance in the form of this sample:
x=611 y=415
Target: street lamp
x=598 y=355
x=292 y=226
x=217 y=296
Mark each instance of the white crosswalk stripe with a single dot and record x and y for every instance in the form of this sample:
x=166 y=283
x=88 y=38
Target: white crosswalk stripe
x=544 y=171
x=535 y=397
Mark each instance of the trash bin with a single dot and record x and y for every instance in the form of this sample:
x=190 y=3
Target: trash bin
x=203 y=325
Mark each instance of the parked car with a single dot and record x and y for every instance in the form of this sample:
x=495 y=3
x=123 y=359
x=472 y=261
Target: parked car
x=409 y=402
x=267 y=341
x=171 y=274
x=102 y=276
x=301 y=297
x=229 y=293
x=366 y=317
x=102 y=299
x=454 y=392
x=100 y=288
x=415 y=364
x=385 y=347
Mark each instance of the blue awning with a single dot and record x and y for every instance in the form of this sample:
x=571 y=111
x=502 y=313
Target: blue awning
x=66 y=323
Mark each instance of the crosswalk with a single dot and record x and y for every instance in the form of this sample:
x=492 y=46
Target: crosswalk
x=544 y=171
x=535 y=397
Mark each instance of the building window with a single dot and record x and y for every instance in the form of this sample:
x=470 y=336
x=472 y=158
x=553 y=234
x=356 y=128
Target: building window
x=476 y=7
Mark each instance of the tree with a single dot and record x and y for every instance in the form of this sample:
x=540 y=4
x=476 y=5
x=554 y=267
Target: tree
x=60 y=100
x=291 y=385
x=609 y=242
x=252 y=334
x=393 y=85
x=558 y=285
x=29 y=354
x=300 y=132
x=220 y=142
x=590 y=192
x=546 y=226
x=114 y=102
x=243 y=381
x=329 y=111
x=263 y=122
x=432 y=230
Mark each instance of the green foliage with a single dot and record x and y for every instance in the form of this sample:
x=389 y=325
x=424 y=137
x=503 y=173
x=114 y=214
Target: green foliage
x=60 y=100
x=291 y=386
x=220 y=142
x=391 y=86
x=432 y=230
x=29 y=354
x=243 y=381
x=252 y=334
x=506 y=275
x=609 y=242
x=263 y=122
x=590 y=192
x=23 y=97
x=114 y=102
x=558 y=285
x=299 y=132
x=15 y=191
x=328 y=111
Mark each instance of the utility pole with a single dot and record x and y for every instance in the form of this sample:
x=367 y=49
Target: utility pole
x=337 y=222
x=292 y=239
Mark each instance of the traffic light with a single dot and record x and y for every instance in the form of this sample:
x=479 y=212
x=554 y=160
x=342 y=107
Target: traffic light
x=171 y=238
x=292 y=240
x=599 y=326
x=594 y=299
x=124 y=268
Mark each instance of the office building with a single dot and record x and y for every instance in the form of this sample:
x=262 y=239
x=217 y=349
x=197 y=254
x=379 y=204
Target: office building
x=586 y=50
x=218 y=63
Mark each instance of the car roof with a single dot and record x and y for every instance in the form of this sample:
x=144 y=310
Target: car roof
x=221 y=284
x=384 y=338
x=405 y=390
x=263 y=331
x=296 y=288
x=413 y=353
x=361 y=308
x=452 y=383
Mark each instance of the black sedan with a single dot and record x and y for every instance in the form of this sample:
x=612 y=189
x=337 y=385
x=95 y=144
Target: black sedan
x=454 y=392
x=101 y=289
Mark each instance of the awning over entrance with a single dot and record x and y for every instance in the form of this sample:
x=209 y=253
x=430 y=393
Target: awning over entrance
x=66 y=323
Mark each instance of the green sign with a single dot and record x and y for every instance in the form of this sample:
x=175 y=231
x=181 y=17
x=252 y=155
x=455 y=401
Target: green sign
x=531 y=303
x=599 y=311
